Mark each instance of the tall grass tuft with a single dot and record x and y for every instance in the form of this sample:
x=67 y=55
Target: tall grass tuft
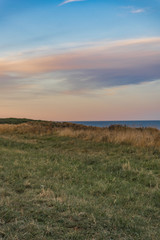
x=146 y=137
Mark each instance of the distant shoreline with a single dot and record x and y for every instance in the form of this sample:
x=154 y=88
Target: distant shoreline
x=130 y=123
x=141 y=123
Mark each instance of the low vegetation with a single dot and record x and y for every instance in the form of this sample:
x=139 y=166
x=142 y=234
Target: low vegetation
x=142 y=137
x=66 y=181
x=138 y=137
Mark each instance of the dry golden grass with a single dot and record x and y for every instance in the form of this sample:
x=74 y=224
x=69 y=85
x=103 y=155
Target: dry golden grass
x=137 y=137
x=143 y=137
x=26 y=128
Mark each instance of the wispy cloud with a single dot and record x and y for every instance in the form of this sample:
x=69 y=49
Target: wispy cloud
x=70 y=1
x=139 y=10
x=134 y=10
x=85 y=69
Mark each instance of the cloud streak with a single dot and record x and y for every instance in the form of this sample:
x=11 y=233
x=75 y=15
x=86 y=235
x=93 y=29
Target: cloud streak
x=83 y=70
x=70 y=1
x=135 y=11
x=103 y=55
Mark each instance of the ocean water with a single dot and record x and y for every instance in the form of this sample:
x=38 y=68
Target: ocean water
x=155 y=124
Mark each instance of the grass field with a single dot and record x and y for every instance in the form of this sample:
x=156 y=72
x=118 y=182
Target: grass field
x=60 y=181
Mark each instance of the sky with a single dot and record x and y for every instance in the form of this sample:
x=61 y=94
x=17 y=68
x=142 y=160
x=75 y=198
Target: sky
x=80 y=60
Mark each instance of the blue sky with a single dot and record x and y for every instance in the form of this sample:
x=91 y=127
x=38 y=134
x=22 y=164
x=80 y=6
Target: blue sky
x=99 y=45
x=28 y=23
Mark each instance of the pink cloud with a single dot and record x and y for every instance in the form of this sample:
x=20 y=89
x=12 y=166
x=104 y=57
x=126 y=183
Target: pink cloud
x=102 y=55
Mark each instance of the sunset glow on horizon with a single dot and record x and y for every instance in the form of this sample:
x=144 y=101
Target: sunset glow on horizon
x=80 y=60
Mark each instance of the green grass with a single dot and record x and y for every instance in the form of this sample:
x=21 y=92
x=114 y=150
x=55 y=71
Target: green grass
x=14 y=120
x=54 y=187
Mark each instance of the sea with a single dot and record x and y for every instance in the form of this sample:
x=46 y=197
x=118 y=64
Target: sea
x=144 y=124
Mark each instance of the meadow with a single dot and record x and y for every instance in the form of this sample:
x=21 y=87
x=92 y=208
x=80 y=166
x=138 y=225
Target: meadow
x=67 y=181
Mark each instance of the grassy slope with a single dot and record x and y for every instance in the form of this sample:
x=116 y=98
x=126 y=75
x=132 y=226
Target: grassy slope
x=14 y=120
x=54 y=187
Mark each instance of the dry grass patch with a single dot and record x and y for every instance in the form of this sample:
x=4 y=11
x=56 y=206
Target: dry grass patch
x=30 y=128
x=146 y=137
x=126 y=166
x=49 y=195
x=142 y=137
